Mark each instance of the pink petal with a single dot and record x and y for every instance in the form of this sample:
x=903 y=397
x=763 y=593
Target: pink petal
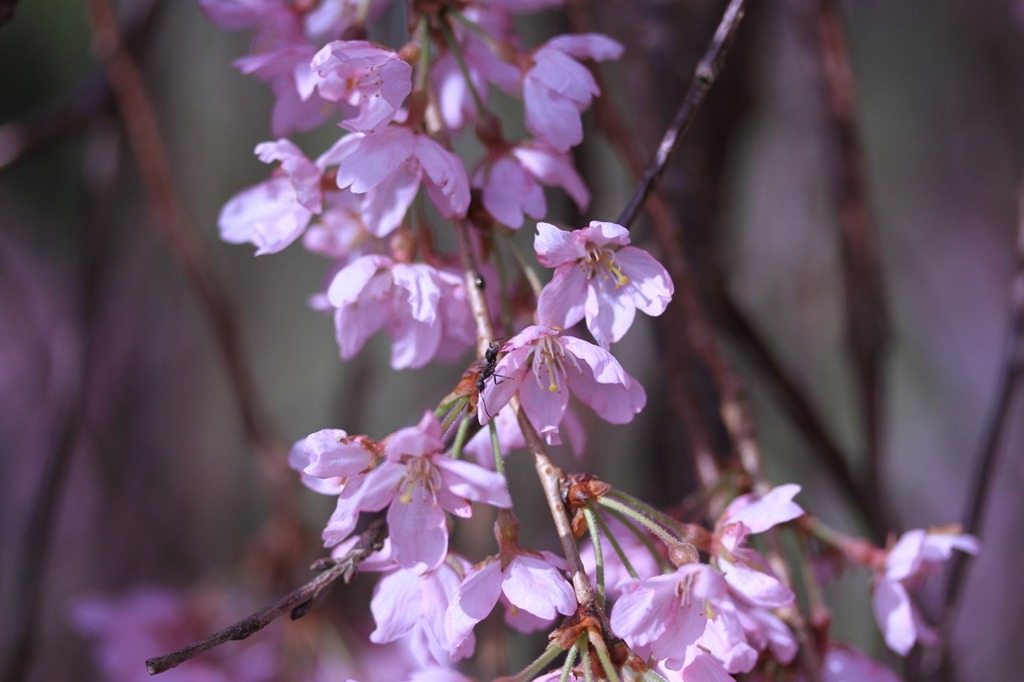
x=418 y=530
x=332 y=453
x=474 y=483
x=760 y=514
x=561 y=302
x=550 y=117
x=474 y=601
x=555 y=246
x=895 y=616
x=554 y=169
x=587 y=46
x=375 y=158
x=396 y=606
x=537 y=587
x=446 y=173
x=650 y=288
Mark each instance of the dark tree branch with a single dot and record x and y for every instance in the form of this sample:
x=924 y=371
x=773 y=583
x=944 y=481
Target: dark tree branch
x=1011 y=371
x=705 y=75
x=140 y=124
x=866 y=317
x=298 y=603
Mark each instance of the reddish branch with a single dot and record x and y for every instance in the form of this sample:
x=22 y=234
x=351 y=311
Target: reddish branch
x=140 y=125
x=866 y=317
x=298 y=603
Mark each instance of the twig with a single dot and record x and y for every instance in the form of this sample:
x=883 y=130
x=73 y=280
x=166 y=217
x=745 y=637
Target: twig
x=705 y=75
x=298 y=602
x=866 y=319
x=1011 y=371
x=140 y=124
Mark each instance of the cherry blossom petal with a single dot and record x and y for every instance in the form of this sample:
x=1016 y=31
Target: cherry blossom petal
x=609 y=313
x=555 y=246
x=387 y=204
x=555 y=169
x=562 y=300
x=474 y=483
x=895 y=616
x=474 y=601
x=650 y=288
x=751 y=577
x=375 y=157
x=446 y=174
x=332 y=453
x=587 y=46
x=418 y=530
x=550 y=117
x=761 y=513
x=396 y=605
x=535 y=586
x=267 y=215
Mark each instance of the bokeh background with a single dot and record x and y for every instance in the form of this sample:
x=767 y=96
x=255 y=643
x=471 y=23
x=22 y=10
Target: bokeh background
x=124 y=460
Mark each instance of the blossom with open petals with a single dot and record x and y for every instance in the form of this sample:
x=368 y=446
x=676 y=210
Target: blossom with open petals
x=917 y=555
x=421 y=307
x=557 y=88
x=417 y=483
x=389 y=167
x=599 y=277
x=544 y=366
x=373 y=80
x=510 y=183
x=274 y=213
x=532 y=582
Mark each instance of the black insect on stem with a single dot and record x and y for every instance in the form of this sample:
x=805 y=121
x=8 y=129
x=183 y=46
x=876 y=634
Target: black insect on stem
x=487 y=367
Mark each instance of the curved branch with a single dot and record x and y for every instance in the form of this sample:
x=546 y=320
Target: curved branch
x=704 y=77
x=298 y=603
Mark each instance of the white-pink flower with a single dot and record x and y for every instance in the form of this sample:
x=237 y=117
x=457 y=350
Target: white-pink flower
x=418 y=484
x=273 y=214
x=917 y=555
x=421 y=307
x=557 y=88
x=407 y=604
x=544 y=366
x=531 y=582
x=510 y=183
x=600 y=278
x=663 y=615
x=373 y=80
x=389 y=166
x=745 y=570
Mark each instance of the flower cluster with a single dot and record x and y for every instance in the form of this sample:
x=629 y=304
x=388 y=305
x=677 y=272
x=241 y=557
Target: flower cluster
x=377 y=203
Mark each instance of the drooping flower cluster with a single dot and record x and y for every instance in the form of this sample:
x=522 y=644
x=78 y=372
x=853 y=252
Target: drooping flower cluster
x=366 y=202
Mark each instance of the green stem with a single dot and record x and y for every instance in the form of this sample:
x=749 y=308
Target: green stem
x=449 y=40
x=460 y=437
x=539 y=664
x=595 y=539
x=570 y=661
x=499 y=462
x=617 y=547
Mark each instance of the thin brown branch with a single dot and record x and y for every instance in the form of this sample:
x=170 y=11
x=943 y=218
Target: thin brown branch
x=705 y=76
x=298 y=603
x=140 y=124
x=985 y=458
x=864 y=292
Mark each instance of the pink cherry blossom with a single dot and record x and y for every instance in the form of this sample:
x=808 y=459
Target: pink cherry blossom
x=389 y=166
x=917 y=555
x=454 y=97
x=599 y=277
x=411 y=605
x=544 y=366
x=418 y=484
x=745 y=570
x=511 y=182
x=273 y=214
x=532 y=582
x=373 y=80
x=557 y=88
x=663 y=615
x=421 y=307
